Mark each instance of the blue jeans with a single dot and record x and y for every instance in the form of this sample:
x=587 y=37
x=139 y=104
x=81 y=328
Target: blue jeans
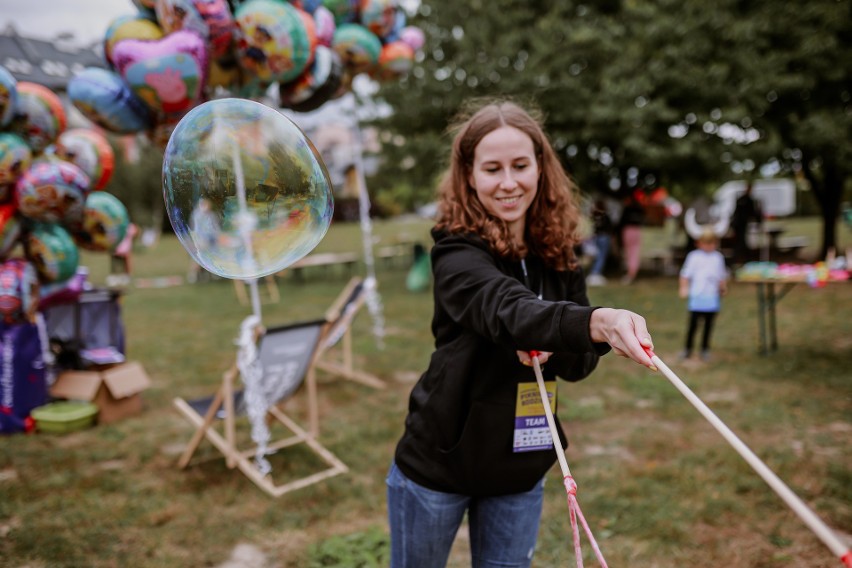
x=424 y=523
x=602 y=244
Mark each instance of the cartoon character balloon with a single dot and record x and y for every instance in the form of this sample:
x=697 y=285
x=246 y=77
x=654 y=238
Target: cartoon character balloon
x=52 y=251
x=274 y=41
x=104 y=98
x=40 y=117
x=357 y=46
x=345 y=11
x=15 y=158
x=53 y=191
x=210 y=19
x=104 y=224
x=139 y=26
x=167 y=74
x=90 y=151
x=379 y=16
x=19 y=291
x=245 y=190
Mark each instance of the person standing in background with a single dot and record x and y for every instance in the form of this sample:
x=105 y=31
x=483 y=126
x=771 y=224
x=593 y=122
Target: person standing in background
x=746 y=211
x=603 y=228
x=630 y=230
x=703 y=282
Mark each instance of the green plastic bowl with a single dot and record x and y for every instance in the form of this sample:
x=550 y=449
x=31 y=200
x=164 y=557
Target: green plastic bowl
x=64 y=416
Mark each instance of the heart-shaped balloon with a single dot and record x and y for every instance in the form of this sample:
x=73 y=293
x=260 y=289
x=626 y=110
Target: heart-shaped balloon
x=167 y=74
x=104 y=98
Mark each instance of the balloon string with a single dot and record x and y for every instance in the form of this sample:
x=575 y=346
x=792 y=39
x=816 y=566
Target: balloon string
x=570 y=485
x=374 y=301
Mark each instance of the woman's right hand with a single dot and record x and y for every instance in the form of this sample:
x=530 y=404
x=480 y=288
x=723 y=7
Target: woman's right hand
x=625 y=331
x=526 y=359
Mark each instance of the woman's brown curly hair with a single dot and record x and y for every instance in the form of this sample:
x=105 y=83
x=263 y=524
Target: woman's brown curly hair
x=553 y=217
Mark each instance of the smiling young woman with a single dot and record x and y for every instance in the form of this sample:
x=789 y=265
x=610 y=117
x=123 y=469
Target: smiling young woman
x=506 y=282
x=505 y=177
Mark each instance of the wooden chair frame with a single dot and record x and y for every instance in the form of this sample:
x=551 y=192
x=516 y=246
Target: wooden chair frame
x=225 y=440
x=341 y=313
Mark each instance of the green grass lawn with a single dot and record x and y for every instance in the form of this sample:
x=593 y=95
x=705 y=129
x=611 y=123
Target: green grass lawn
x=658 y=485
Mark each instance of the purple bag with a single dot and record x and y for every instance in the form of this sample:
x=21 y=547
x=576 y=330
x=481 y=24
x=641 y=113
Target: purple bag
x=23 y=384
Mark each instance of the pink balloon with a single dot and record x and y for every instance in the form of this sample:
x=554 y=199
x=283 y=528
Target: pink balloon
x=325 y=26
x=167 y=74
x=413 y=36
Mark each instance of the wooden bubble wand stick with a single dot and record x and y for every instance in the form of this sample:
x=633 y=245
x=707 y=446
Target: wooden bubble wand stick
x=567 y=478
x=828 y=536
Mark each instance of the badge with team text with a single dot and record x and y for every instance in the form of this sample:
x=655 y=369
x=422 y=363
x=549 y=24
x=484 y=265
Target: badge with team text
x=531 y=430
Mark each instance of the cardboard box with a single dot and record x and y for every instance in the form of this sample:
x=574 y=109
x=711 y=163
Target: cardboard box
x=116 y=390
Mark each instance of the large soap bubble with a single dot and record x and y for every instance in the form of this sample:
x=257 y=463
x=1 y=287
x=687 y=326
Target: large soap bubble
x=245 y=190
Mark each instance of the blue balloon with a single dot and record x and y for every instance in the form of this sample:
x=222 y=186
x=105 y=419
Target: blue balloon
x=8 y=96
x=399 y=23
x=310 y=6
x=104 y=98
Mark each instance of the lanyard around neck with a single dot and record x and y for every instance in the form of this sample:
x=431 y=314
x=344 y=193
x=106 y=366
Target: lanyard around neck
x=527 y=280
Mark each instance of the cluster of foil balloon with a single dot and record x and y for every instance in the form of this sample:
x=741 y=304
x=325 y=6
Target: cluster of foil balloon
x=172 y=55
x=51 y=197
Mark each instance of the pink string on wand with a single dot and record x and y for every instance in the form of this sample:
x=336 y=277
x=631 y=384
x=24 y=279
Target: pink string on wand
x=567 y=479
x=820 y=529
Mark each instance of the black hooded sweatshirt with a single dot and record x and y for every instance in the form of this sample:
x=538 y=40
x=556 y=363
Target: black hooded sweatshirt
x=461 y=416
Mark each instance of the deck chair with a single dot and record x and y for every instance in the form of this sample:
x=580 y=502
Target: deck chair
x=289 y=353
x=338 y=362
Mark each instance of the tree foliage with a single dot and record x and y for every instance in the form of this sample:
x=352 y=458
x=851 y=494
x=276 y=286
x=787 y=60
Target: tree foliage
x=138 y=183
x=677 y=91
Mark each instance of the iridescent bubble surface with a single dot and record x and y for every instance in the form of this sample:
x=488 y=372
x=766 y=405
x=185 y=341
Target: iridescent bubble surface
x=245 y=190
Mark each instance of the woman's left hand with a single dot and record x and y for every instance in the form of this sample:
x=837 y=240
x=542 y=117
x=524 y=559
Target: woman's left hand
x=525 y=358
